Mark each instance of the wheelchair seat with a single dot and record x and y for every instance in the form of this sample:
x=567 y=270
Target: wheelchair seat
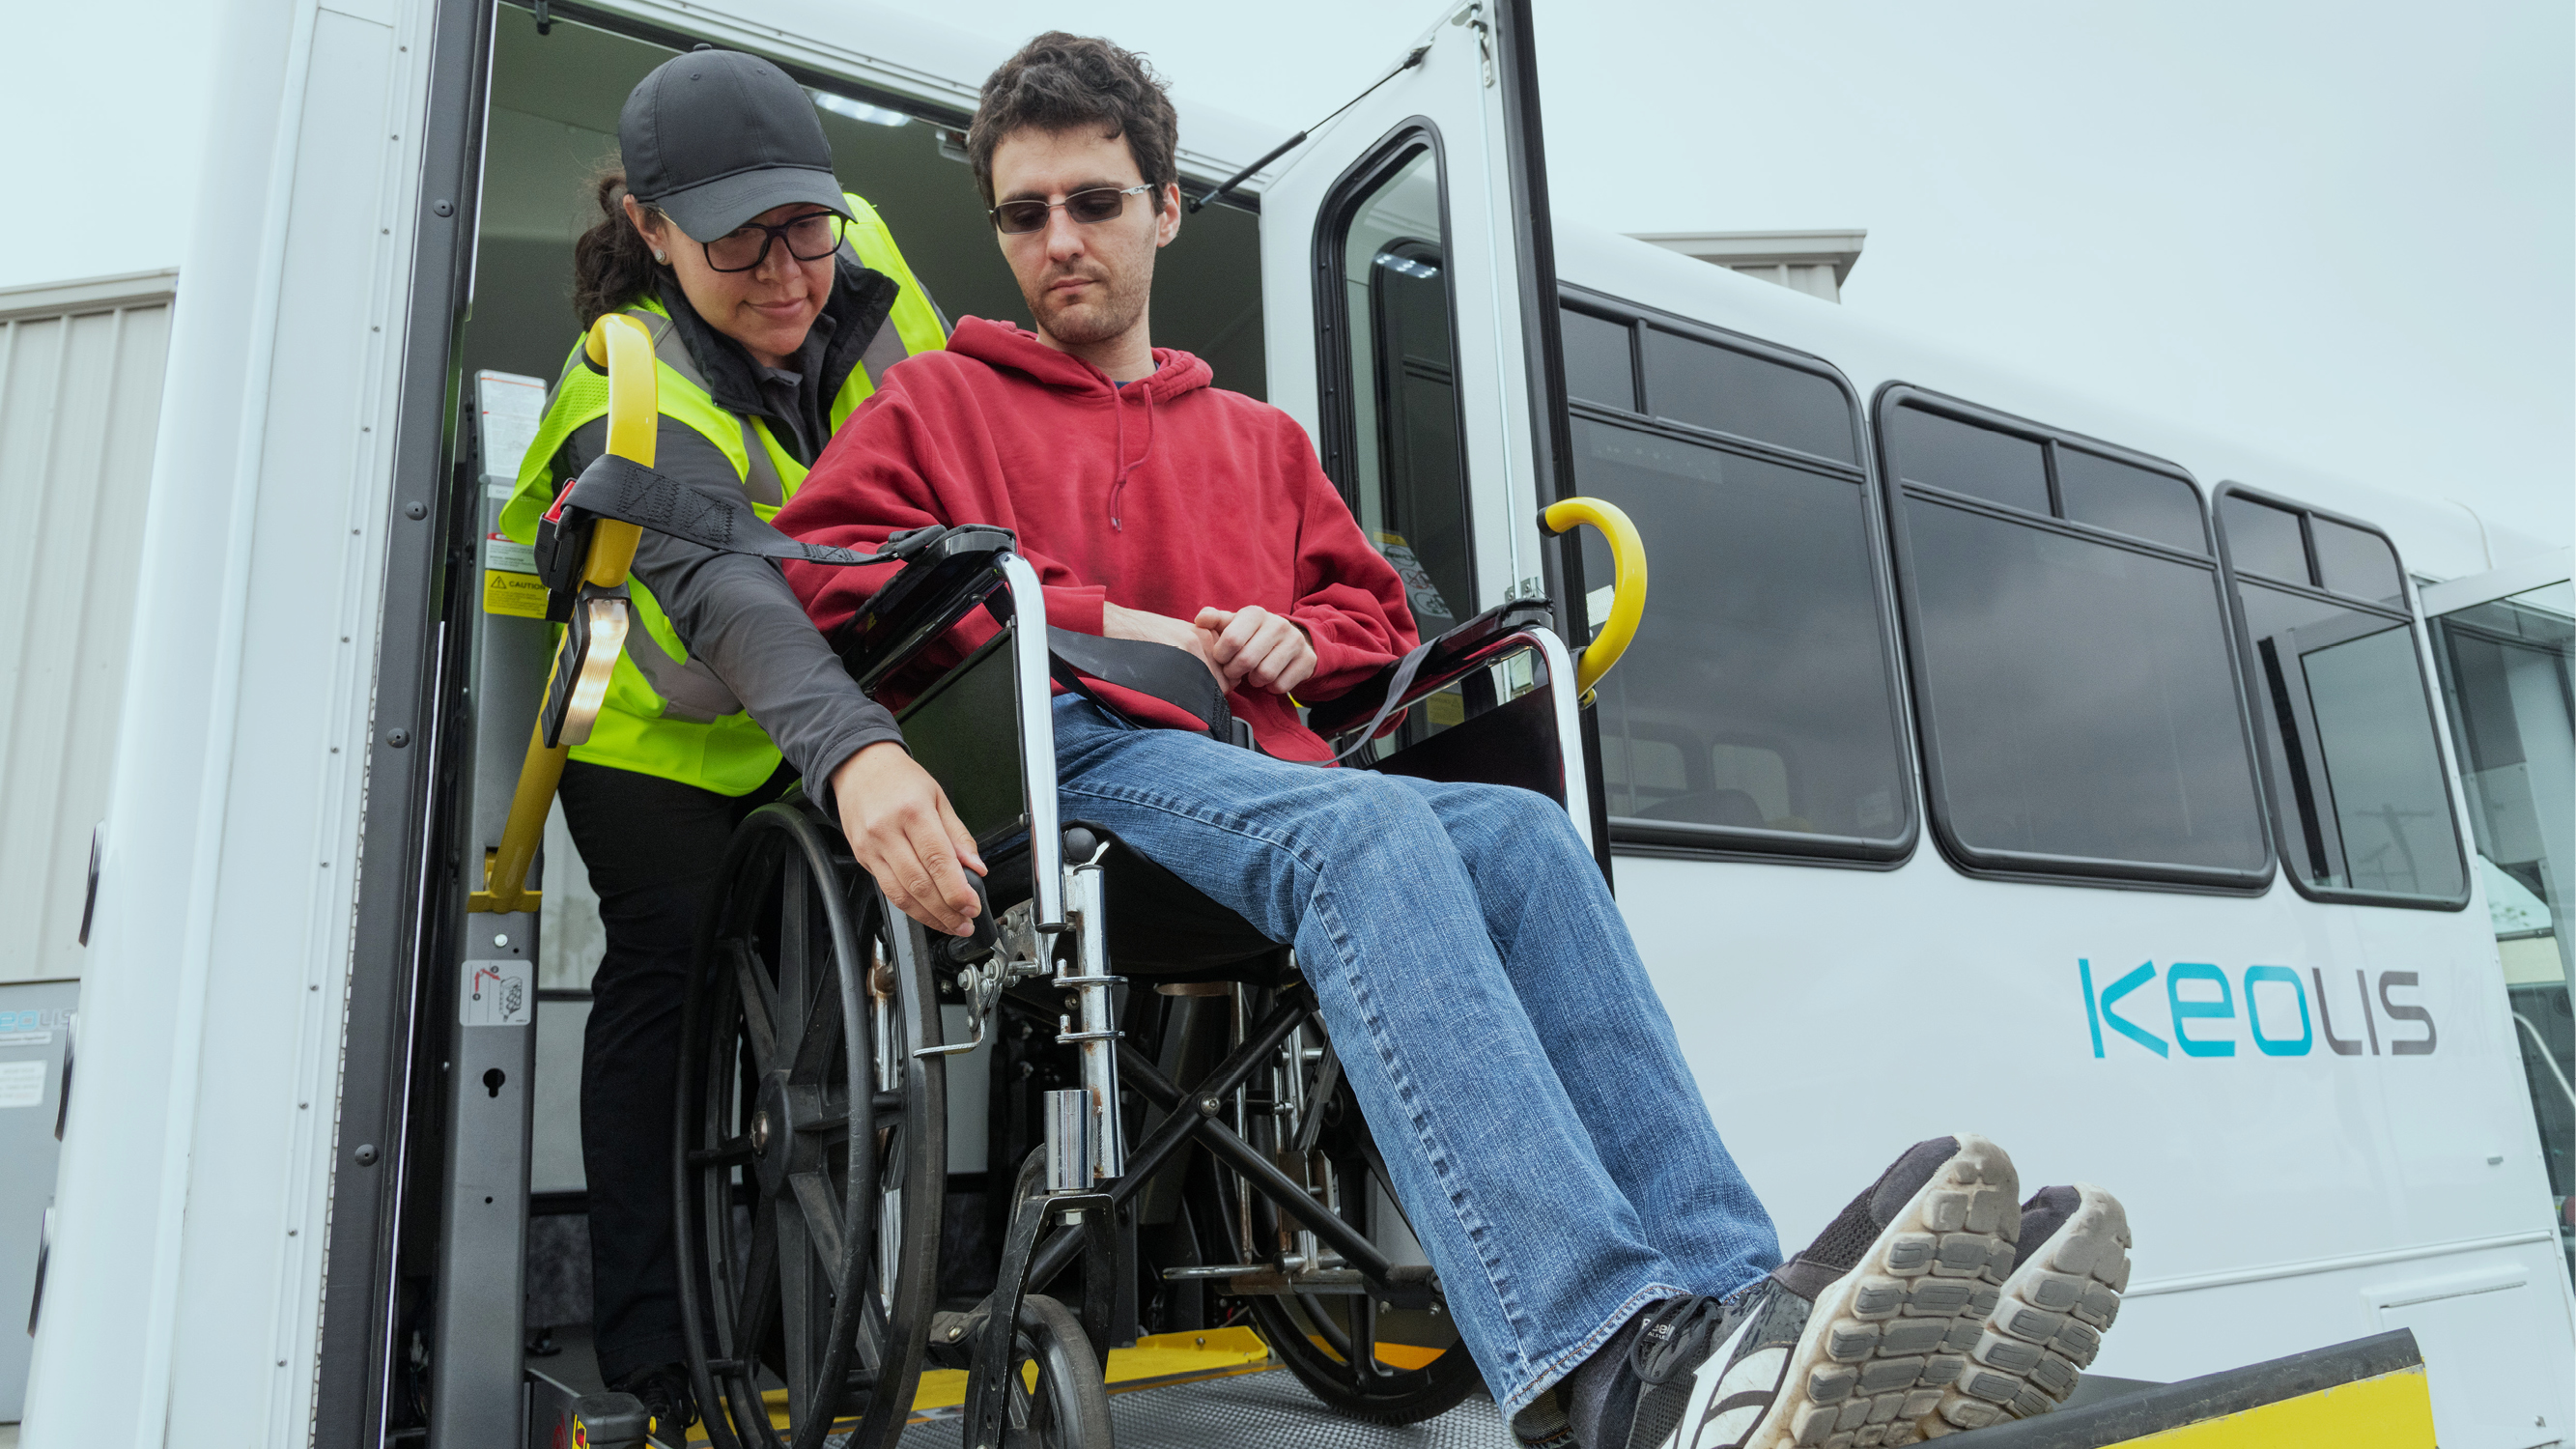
x=1160 y=926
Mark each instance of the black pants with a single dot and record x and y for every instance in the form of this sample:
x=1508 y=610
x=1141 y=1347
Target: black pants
x=653 y=847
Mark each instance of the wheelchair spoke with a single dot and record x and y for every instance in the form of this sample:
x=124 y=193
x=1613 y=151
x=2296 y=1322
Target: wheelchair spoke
x=795 y=964
x=759 y=1010
x=732 y=1149
x=822 y=1036
x=822 y=1211
x=804 y=1316
x=759 y=1290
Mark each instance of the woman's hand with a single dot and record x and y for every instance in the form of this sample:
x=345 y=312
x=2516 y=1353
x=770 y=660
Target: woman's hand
x=1254 y=646
x=902 y=829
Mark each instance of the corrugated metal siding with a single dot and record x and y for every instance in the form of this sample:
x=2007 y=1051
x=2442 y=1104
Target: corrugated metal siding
x=80 y=399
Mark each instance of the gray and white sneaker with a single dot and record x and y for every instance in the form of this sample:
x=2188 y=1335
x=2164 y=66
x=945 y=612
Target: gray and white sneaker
x=1853 y=1343
x=2063 y=1292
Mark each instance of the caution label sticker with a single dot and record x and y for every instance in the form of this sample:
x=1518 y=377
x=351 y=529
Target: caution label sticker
x=497 y=993
x=521 y=596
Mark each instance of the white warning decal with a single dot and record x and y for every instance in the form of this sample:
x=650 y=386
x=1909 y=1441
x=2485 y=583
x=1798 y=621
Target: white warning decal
x=22 y=1084
x=497 y=993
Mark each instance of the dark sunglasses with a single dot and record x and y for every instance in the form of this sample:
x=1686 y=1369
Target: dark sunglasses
x=809 y=238
x=1099 y=204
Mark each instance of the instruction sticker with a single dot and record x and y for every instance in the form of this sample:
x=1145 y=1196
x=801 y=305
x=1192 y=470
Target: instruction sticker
x=497 y=993
x=521 y=596
x=22 y=1084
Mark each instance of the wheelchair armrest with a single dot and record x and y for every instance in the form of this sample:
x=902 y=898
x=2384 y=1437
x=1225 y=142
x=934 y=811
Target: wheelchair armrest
x=1452 y=654
x=940 y=585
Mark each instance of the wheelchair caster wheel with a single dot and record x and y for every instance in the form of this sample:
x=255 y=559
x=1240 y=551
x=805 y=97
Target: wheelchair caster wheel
x=812 y=1145
x=1068 y=1406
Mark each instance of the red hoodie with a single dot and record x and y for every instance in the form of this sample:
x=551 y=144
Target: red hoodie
x=1166 y=495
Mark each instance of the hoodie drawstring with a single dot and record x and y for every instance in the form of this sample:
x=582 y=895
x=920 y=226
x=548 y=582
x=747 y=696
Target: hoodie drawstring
x=1118 y=484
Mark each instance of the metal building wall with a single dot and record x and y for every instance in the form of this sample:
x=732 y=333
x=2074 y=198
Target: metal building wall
x=80 y=398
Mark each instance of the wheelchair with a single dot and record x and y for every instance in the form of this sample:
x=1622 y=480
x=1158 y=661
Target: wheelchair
x=1188 y=1152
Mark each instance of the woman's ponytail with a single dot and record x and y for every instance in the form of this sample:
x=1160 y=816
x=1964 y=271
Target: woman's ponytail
x=612 y=264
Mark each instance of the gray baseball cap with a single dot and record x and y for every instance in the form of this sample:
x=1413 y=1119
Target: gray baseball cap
x=716 y=137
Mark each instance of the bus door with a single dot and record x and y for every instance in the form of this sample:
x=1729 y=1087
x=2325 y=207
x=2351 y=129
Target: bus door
x=1409 y=288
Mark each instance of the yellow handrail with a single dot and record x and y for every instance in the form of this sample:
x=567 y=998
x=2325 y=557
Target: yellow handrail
x=1628 y=593
x=620 y=345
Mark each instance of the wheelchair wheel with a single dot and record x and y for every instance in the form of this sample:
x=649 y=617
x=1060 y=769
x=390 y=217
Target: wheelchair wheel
x=1059 y=1398
x=1364 y=1359
x=811 y=1155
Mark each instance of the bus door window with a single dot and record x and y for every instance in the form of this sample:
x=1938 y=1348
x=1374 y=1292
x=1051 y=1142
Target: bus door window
x=2360 y=802
x=2506 y=666
x=2074 y=688
x=1757 y=710
x=1393 y=443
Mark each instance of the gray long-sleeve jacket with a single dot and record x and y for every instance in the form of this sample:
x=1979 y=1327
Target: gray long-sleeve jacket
x=736 y=614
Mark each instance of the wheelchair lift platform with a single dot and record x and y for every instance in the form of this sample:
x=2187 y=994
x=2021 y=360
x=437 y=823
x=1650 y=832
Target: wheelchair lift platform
x=1174 y=1391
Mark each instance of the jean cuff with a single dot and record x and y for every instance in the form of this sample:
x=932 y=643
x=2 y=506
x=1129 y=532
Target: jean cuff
x=1547 y=1375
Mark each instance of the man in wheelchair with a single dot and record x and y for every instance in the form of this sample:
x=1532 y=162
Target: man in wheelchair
x=1616 y=1279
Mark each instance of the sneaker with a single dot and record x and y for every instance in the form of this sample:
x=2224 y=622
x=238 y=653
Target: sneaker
x=2063 y=1293
x=664 y=1391
x=1542 y=1425
x=1853 y=1343
x=1631 y=1393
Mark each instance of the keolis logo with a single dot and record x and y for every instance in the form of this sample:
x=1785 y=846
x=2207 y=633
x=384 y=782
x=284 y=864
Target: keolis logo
x=2201 y=1011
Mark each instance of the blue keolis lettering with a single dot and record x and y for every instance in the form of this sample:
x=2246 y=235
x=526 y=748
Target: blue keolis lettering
x=2201 y=1011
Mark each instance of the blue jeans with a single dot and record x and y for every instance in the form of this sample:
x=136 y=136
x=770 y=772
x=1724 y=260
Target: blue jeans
x=1520 y=1076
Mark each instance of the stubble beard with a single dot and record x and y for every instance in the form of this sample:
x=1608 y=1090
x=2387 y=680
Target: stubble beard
x=1101 y=319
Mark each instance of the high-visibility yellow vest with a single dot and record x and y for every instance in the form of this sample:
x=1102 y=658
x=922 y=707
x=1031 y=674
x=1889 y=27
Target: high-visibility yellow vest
x=665 y=715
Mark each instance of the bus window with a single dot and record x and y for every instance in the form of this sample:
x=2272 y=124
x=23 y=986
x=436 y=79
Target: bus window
x=1396 y=450
x=2106 y=493
x=2360 y=803
x=2075 y=696
x=1598 y=367
x=1756 y=712
x=1725 y=391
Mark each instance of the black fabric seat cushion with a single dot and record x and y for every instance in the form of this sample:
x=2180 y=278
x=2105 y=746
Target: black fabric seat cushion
x=1160 y=926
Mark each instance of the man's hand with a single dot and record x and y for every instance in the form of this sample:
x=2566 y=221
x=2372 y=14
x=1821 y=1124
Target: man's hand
x=1118 y=623
x=902 y=829
x=1254 y=646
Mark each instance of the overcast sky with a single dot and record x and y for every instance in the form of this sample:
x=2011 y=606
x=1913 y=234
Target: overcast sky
x=2346 y=232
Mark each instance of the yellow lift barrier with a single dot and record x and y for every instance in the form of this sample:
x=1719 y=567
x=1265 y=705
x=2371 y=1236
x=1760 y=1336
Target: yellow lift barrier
x=620 y=346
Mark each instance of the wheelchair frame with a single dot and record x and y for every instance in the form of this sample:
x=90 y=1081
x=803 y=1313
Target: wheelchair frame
x=1000 y=697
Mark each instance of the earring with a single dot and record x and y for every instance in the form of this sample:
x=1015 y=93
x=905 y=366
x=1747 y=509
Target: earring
x=661 y=256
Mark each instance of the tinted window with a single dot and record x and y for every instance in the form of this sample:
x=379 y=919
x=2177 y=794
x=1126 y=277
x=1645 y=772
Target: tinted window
x=2080 y=700
x=1597 y=365
x=1713 y=387
x=2356 y=563
x=2143 y=504
x=2262 y=539
x=1963 y=458
x=1409 y=483
x=1757 y=694
x=2358 y=792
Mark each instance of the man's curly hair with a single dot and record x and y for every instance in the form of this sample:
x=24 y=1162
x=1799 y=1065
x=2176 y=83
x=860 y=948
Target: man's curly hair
x=1062 y=82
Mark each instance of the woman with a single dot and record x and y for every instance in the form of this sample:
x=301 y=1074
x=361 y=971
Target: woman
x=775 y=301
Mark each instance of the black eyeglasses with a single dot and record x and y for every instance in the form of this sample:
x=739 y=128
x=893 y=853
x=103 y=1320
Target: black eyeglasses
x=1099 y=204
x=809 y=238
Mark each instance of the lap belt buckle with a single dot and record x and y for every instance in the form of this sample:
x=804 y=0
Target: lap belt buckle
x=1241 y=730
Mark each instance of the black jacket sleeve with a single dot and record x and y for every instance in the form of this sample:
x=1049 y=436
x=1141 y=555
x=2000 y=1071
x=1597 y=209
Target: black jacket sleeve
x=738 y=616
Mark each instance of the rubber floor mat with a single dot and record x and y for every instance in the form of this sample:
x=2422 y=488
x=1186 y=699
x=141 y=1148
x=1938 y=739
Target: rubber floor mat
x=1256 y=1411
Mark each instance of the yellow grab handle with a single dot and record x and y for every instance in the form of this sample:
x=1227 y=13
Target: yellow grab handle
x=1628 y=596
x=620 y=345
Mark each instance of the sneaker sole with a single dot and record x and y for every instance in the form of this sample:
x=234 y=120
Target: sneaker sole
x=2048 y=1325
x=1889 y=1338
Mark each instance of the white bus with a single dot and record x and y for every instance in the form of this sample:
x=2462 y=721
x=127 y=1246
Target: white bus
x=2134 y=738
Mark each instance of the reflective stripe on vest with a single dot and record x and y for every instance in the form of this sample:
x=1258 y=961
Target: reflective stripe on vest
x=665 y=714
